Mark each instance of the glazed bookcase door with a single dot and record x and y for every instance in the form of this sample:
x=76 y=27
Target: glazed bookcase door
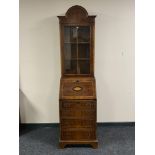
x=76 y=50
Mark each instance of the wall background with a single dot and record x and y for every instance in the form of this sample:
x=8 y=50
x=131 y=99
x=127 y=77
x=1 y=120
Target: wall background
x=40 y=58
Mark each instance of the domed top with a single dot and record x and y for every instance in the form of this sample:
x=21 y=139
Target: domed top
x=76 y=11
x=76 y=15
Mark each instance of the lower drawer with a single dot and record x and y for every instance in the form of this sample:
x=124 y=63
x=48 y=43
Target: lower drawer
x=73 y=123
x=78 y=134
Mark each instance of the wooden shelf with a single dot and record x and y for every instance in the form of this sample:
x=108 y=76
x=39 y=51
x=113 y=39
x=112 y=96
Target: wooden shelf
x=77 y=42
x=77 y=59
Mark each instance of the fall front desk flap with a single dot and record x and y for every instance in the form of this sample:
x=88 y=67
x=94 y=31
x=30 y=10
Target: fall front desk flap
x=77 y=88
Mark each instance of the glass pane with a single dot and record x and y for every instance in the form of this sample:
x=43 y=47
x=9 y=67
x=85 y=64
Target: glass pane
x=83 y=34
x=70 y=66
x=70 y=51
x=84 y=67
x=70 y=34
x=76 y=49
x=83 y=50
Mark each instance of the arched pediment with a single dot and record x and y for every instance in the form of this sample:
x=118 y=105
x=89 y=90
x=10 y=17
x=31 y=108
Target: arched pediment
x=76 y=12
x=75 y=15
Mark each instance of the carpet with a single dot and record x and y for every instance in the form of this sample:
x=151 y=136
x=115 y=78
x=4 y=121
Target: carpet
x=113 y=140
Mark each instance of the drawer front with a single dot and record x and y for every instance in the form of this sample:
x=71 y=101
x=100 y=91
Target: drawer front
x=77 y=123
x=78 y=113
x=78 y=135
x=79 y=104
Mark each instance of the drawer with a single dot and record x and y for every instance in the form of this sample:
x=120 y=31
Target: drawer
x=86 y=134
x=78 y=123
x=79 y=104
x=78 y=113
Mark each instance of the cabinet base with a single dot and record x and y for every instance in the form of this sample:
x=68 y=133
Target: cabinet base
x=63 y=143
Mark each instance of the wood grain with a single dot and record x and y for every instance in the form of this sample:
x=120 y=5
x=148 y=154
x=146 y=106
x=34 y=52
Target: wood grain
x=77 y=97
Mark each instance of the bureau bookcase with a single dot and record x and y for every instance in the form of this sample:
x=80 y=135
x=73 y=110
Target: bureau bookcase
x=77 y=97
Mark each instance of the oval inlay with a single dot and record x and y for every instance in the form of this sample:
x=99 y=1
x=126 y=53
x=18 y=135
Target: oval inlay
x=77 y=88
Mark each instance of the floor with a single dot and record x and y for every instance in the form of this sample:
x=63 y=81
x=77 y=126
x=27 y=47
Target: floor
x=113 y=140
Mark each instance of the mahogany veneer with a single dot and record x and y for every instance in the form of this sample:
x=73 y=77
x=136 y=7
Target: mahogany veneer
x=77 y=97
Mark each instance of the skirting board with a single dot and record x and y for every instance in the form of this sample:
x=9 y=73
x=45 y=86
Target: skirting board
x=23 y=126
